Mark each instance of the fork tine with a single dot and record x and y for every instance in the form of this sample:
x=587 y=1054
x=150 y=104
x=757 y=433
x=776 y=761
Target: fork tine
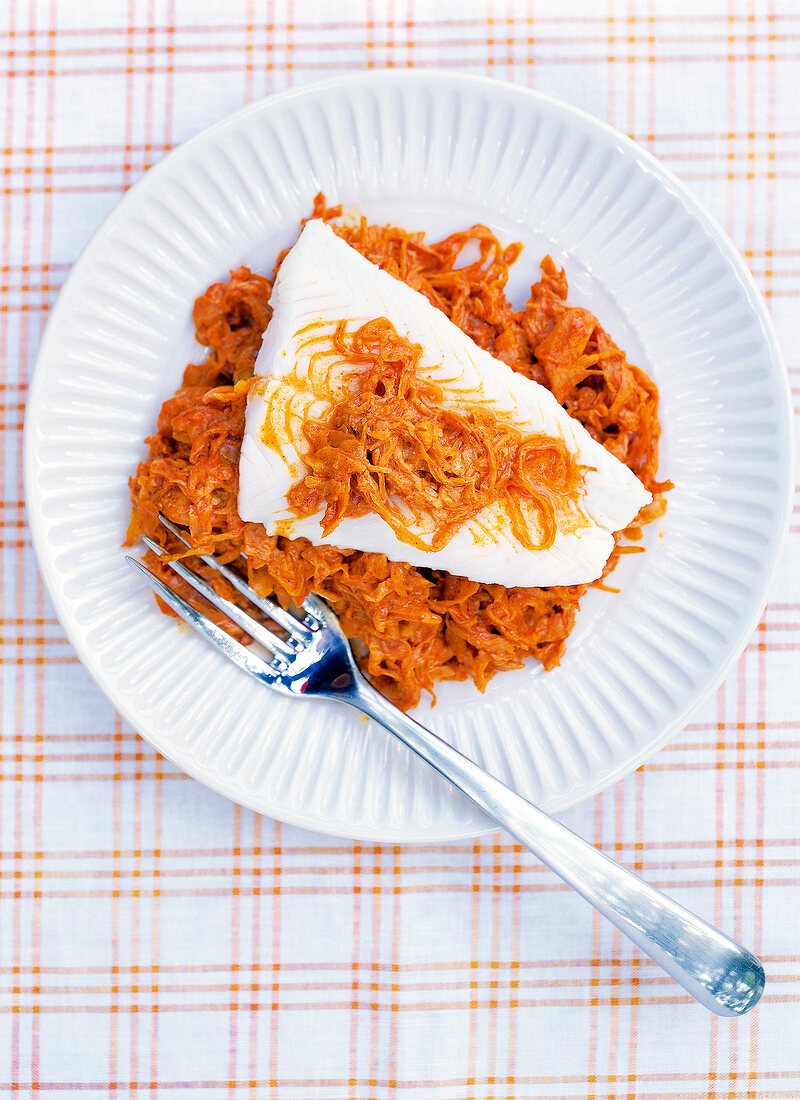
x=239 y=654
x=317 y=609
x=260 y=633
x=270 y=608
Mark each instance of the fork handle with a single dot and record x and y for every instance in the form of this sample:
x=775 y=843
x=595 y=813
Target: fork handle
x=719 y=973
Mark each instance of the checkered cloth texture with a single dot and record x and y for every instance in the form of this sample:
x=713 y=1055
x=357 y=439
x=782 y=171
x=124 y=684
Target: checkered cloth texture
x=156 y=939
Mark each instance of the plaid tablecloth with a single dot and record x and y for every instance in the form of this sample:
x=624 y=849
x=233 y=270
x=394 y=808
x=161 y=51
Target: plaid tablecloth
x=155 y=938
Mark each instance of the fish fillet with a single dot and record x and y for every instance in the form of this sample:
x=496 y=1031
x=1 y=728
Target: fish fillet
x=324 y=281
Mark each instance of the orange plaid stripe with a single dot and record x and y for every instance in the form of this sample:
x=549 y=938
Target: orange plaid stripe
x=156 y=939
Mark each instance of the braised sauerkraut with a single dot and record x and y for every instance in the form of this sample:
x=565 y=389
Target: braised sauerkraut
x=411 y=627
x=391 y=447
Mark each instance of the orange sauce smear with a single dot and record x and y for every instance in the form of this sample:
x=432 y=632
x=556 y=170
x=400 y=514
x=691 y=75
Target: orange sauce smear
x=411 y=627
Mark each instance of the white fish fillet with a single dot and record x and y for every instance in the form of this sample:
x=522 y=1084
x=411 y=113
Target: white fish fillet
x=324 y=281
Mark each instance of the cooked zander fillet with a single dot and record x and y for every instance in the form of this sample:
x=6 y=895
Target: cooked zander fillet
x=324 y=288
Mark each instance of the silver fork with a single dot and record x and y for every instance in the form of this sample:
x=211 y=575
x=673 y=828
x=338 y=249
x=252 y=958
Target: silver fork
x=316 y=660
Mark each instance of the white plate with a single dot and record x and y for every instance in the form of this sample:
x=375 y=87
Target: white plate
x=437 y=152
